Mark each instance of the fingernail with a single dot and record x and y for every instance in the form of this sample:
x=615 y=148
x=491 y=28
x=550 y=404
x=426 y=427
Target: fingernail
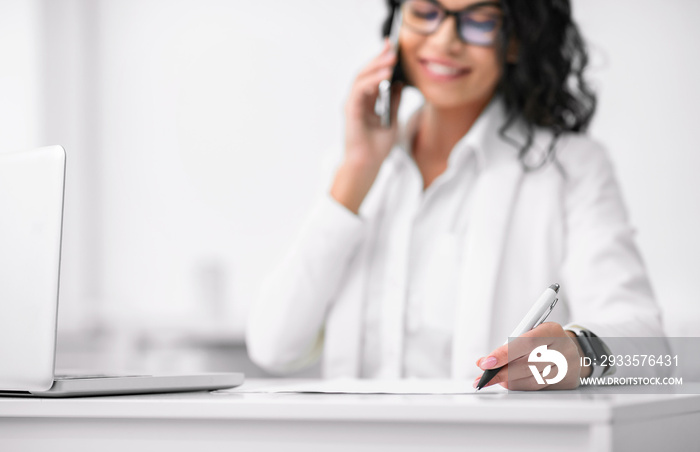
x=476 y=382
x=488 y=362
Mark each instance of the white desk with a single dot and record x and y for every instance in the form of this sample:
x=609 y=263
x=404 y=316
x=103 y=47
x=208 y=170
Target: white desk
x=203 y=422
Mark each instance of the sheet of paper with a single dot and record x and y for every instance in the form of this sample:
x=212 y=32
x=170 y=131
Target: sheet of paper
x=358 y=386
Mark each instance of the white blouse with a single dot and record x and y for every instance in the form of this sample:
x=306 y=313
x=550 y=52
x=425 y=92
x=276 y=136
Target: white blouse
x=419 y=243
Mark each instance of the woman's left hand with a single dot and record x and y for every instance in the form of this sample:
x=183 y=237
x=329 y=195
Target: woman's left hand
x=517 y=376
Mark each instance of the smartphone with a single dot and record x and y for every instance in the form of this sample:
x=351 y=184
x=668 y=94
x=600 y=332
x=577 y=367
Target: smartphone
x=383 y=105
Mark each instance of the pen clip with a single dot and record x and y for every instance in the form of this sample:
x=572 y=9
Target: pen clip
x=546 y=314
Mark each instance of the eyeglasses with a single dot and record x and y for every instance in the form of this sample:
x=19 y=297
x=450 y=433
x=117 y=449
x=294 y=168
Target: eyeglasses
x=478 y=24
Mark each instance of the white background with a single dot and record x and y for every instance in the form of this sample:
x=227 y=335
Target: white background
x=196 y=133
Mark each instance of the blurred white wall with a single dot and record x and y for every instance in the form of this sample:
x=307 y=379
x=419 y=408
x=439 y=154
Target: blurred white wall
x=214 y=119
x=196 y=132
x=20 y=90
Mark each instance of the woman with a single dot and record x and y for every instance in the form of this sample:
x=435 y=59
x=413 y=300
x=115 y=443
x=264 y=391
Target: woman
x=439 y=234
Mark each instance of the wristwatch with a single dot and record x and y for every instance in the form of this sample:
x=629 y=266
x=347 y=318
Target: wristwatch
x=593 y=348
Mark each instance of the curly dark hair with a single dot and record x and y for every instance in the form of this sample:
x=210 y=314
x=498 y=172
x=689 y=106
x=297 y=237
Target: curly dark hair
x=544 y=85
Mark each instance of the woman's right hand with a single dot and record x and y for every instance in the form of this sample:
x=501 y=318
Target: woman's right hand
x=367 y=143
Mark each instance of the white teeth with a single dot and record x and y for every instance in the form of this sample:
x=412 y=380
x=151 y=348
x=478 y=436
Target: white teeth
x=441 y=69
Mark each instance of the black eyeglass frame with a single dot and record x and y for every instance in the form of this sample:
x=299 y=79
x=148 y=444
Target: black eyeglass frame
x=456 y=14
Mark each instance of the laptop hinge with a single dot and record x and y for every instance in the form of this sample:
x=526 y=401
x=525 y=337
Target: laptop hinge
x=11 y=393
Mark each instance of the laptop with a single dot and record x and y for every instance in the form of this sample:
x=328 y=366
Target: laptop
x=31 y=221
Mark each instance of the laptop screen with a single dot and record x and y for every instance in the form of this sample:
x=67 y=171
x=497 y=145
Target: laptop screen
x=31 y=213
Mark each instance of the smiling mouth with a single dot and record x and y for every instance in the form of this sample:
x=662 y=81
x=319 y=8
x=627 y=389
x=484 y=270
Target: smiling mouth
x=443 y=71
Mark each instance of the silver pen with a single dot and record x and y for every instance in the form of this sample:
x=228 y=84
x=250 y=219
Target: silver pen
x=537 y=314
